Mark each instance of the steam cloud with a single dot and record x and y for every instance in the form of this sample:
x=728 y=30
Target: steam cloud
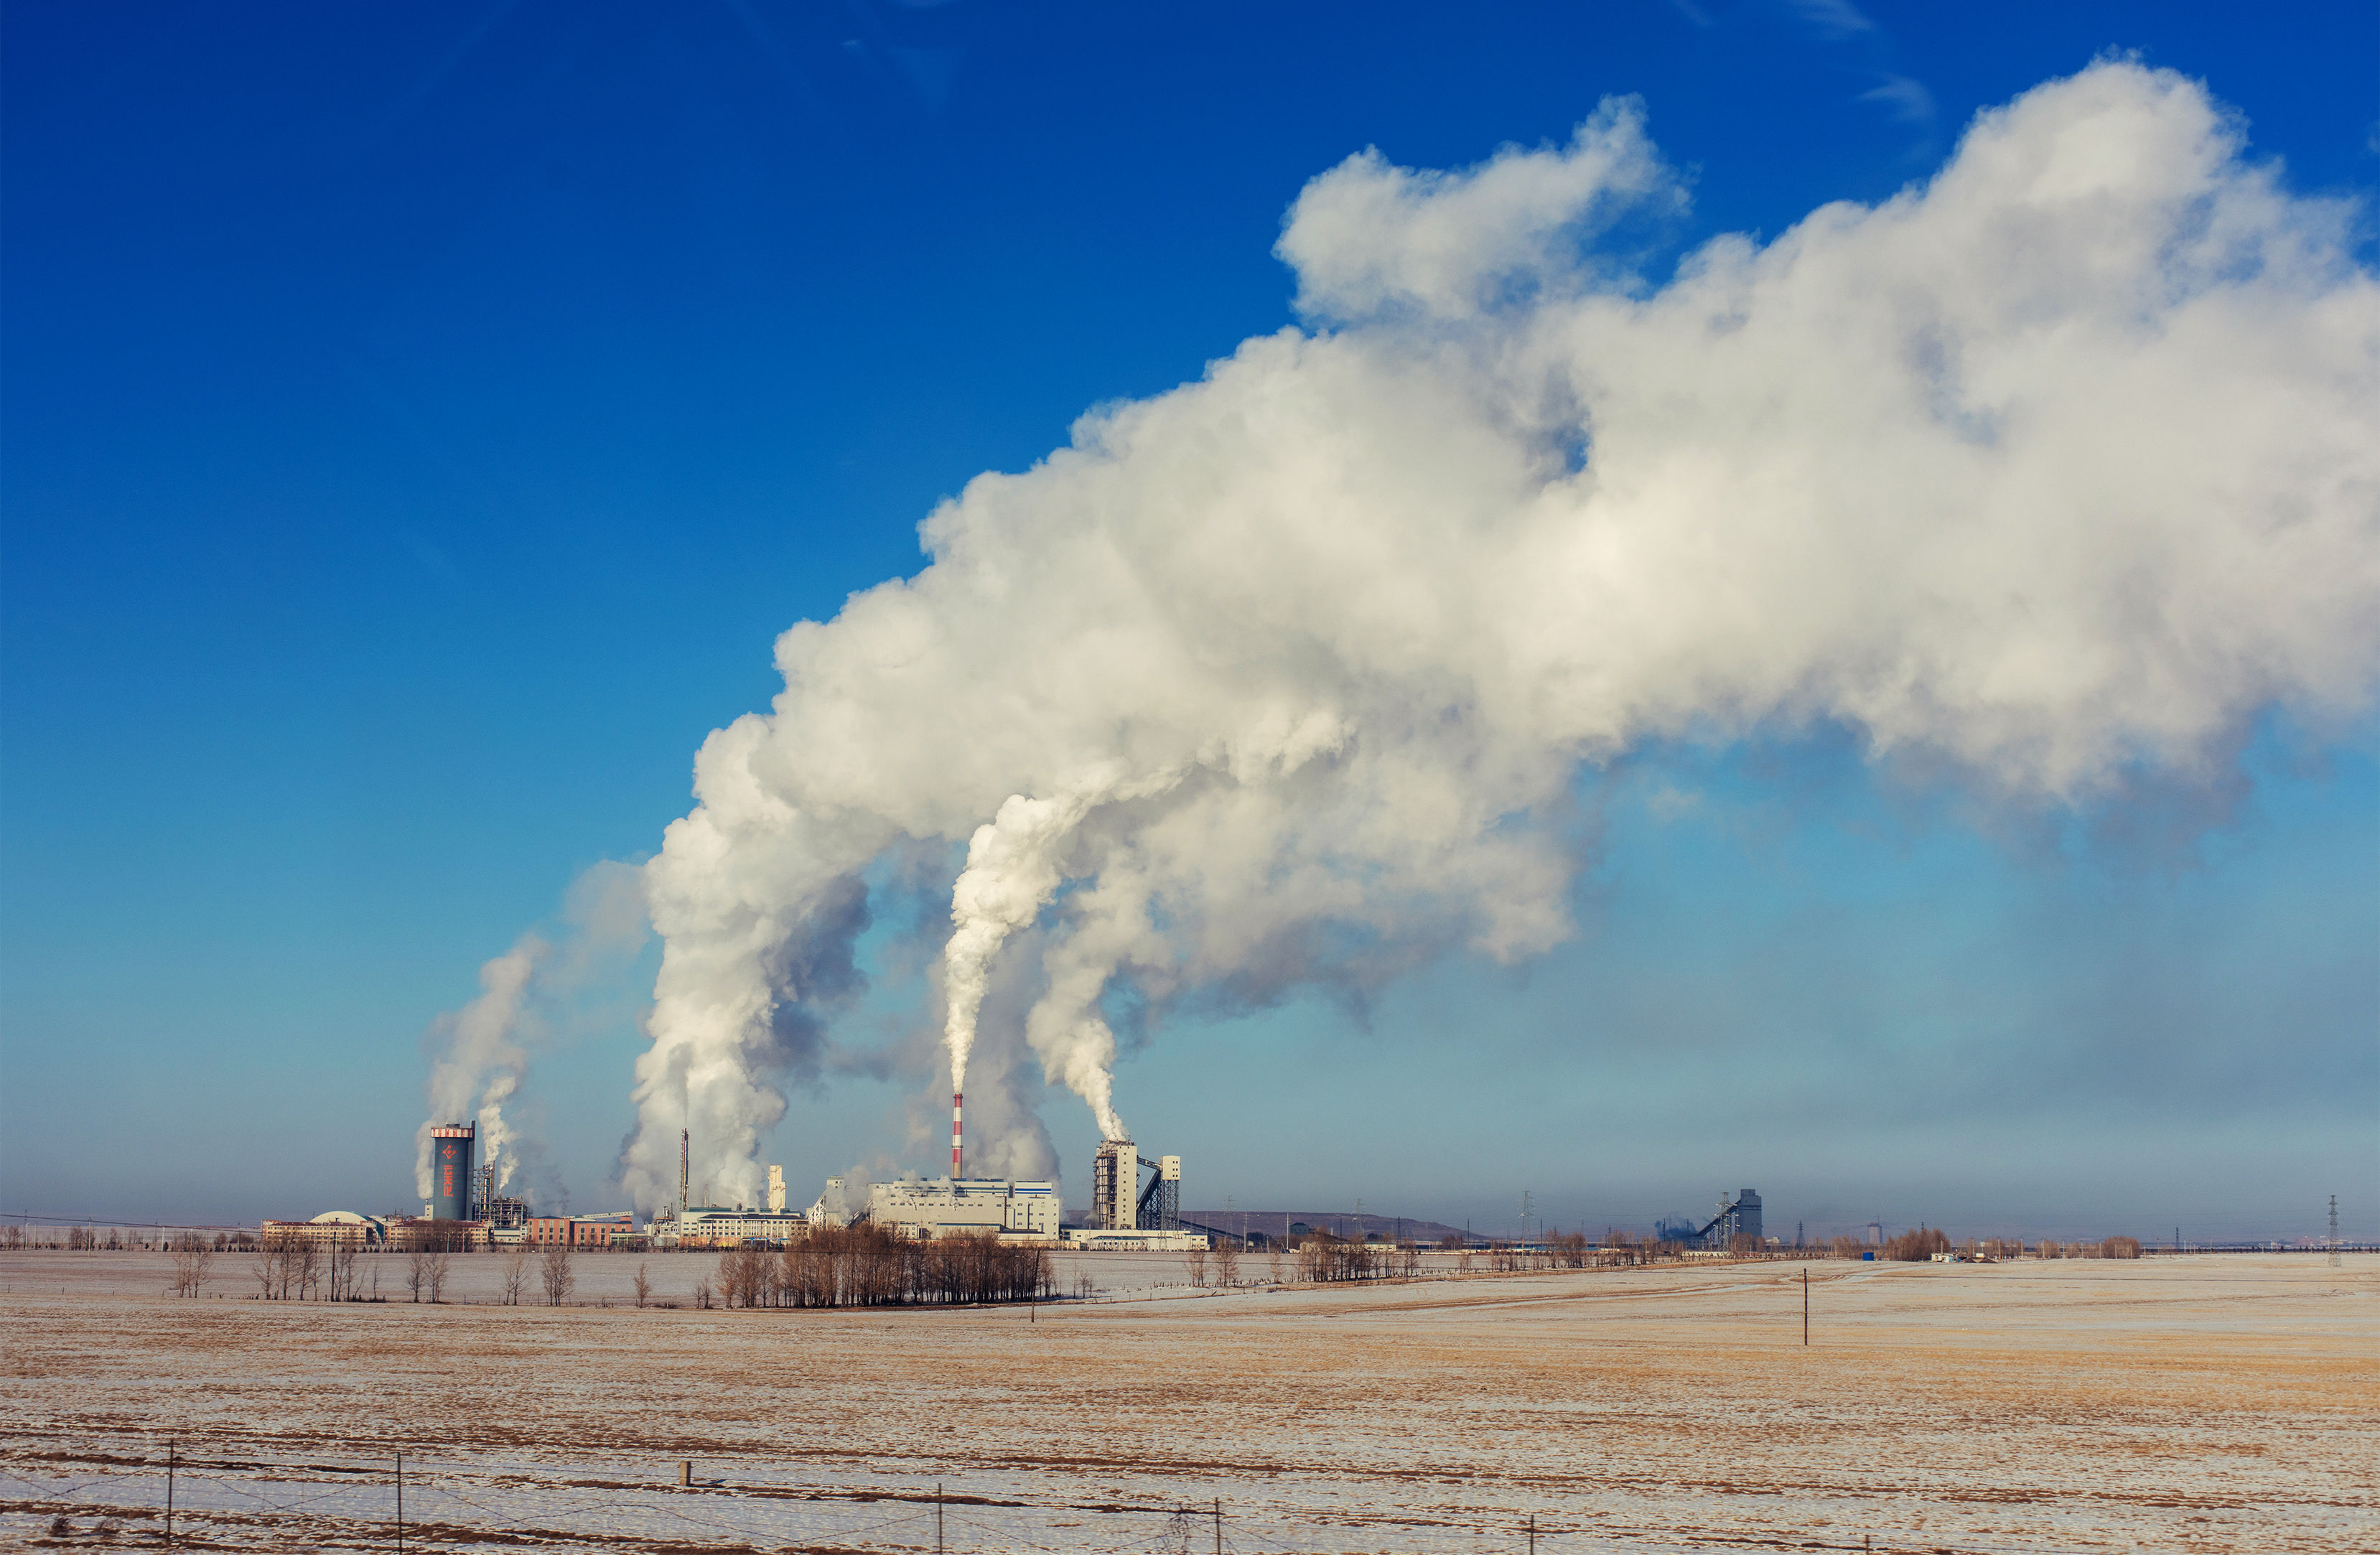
x=2052 y=471
x=482 y=1052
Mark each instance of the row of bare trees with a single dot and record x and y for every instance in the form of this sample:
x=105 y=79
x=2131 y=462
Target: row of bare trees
x=556 y=1277
x=1225 y=1259
x=2119 y=1247
x=1925 y=1242
x=1324 y=1257
x=868 y=1266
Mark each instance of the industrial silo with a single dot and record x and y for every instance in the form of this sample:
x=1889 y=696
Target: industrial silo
x=450 y=1170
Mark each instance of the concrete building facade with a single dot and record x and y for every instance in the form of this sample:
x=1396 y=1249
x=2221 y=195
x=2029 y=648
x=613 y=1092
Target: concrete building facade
x=1015 y=1210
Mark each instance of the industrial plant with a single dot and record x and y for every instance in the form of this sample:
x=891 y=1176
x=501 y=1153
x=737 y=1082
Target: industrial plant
x=1135 y=1205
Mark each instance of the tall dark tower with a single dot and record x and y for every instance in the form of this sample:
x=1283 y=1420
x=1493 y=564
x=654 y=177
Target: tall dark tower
x=683 y=1137
x=449 y=1169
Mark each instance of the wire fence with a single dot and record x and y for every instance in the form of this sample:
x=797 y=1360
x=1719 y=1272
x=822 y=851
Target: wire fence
x=213 y=1500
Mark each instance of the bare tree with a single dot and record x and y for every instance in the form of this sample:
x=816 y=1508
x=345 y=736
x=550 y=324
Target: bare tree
x=192 y=1255
x=516 y=1272
x=1227 y=1263
x=1194 y=1260
x=644 y=1287
x=1918 y=1245
x=1272 y=1261
x=434 y=1268
x=416 y=1273
x=702 y=1293
x=553 y=1270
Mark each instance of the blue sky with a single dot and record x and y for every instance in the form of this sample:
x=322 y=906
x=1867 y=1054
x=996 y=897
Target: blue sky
x=418 y=424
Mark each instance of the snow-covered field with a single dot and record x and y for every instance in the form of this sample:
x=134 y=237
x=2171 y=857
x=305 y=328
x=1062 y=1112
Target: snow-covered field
x=2207 y=1402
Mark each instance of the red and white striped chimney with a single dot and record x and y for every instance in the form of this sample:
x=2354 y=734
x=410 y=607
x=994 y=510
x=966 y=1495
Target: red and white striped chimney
x=959 y=1136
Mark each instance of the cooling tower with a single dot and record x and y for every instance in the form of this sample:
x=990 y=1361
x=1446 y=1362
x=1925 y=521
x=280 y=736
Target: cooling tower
x=450 y=1170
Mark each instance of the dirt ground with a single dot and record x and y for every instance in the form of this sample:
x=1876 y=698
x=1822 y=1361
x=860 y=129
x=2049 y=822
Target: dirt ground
x=2215 y=1401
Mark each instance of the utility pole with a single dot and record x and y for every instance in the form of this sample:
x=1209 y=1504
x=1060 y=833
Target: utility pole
x=2334 y=1231
x=400 y=1500
x=938 y=1517
x=1219 y=1524
x=1805 y=1305
x=169 y=1492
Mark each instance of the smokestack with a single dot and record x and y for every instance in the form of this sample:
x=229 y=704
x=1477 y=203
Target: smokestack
x=683 y=1138
x=959 y=1136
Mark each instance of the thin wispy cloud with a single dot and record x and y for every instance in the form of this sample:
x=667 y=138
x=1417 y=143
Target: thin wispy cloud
x=1905 y=97
x=1832 y=20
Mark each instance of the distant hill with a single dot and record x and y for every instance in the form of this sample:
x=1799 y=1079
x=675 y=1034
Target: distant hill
x=1338 y=1224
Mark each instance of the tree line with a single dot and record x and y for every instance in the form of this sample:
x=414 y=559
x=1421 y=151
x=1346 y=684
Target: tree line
x=866 y=1266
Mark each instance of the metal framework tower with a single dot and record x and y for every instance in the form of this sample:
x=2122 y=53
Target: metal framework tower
x=1115 y=1183
x=1159 y=1206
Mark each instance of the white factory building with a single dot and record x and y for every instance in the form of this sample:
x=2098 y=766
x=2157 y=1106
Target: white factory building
x=1124 y=1215
x=1024 y=1210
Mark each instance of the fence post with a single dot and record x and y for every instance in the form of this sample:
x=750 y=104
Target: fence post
x=1219 y=1524
x=1805 y=1305
x=938 y=1517
x=400 y=1500
x=1532 y=1533
x=685 y=1473
x=169 y=1492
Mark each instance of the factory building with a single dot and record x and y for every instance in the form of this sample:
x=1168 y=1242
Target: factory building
x=727 y=1227
x=450 y=1172
x=1739 y=1218
x=1016 y=1211
x=1119 y=1202
x=506 y=1217
x=834 y=1208
x=1147 y=1240
x=330 y=1230
x=1127 y=1215
x=578 y=1232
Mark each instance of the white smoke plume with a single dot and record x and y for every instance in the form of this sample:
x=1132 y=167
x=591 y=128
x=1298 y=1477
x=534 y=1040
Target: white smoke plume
x=482 y=1052
x=1010 y=874
x=2047 y=474
x=481 y=1061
